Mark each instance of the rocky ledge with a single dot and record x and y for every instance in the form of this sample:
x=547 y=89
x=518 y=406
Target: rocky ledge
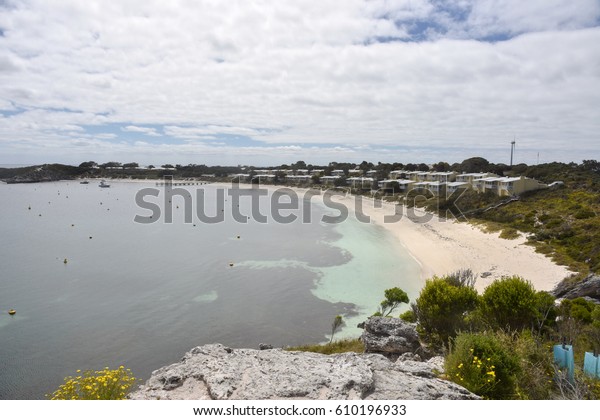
x=216 y=372
x=588 y=288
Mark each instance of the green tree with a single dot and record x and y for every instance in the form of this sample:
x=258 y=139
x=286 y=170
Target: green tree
x=443 y=307
x=340 y=182
x=509 y=303
x=441 y=167
x=474 y=164
x=111 y=165
x=394 y=186
x=88 y=164
x=393 y=298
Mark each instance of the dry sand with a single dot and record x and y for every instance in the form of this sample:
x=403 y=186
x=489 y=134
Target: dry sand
x=444 y=246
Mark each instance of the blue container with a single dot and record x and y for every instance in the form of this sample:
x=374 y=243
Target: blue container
x=563 y=357
x=591 y=365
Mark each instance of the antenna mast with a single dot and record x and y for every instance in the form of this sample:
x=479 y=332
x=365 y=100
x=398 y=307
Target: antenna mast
x=512 y=150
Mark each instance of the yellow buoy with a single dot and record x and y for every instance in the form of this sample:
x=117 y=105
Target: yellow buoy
x=12 y=312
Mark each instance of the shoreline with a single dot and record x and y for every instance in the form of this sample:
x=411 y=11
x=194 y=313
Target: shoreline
x=442 y=246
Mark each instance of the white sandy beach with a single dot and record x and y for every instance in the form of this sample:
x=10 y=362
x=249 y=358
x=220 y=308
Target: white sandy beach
x=444 y=246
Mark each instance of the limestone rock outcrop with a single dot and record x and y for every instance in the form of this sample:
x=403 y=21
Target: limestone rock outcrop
x=390 y=337
x=220 y=373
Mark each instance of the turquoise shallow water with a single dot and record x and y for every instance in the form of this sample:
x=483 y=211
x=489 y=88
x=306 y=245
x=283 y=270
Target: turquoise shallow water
x=143 y=294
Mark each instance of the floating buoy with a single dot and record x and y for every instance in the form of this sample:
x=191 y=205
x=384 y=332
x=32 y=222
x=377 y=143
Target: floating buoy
x=65 y=261
x=231 y=264
x=12 y=312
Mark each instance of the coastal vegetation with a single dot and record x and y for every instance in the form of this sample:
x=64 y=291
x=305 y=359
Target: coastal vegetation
x=499 y=344
x=394 y=297
x=105 y=384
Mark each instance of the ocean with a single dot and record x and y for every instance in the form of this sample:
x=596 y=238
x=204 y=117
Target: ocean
x=142 y=294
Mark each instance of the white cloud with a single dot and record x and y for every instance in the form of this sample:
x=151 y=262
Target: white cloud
x=208 y=131
x=297 y=73
x=149 y=131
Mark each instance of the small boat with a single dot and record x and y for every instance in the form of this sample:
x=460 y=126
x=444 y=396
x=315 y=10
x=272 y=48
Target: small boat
x=84 y=182
x=12 y=312
x=103 y=184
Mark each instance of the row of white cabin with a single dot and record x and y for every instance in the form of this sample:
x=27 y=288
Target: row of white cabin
x=435 y=182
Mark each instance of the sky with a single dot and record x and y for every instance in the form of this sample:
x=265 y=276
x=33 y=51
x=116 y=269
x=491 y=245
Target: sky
x=269 y=82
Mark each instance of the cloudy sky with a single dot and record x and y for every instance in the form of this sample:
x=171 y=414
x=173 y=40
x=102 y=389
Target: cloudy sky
x=268 y=82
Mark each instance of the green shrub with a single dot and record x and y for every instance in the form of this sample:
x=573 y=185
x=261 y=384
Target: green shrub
x=509 y=233
x=535 y=378
x=408 y=316
x=596 y=317
x=484 y=365
x=584 y=214
x=442 y=308
x=509 y=303
x=578 y=308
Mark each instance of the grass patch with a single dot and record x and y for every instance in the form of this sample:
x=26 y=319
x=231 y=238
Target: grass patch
x=510 y=233
x=341 y=346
